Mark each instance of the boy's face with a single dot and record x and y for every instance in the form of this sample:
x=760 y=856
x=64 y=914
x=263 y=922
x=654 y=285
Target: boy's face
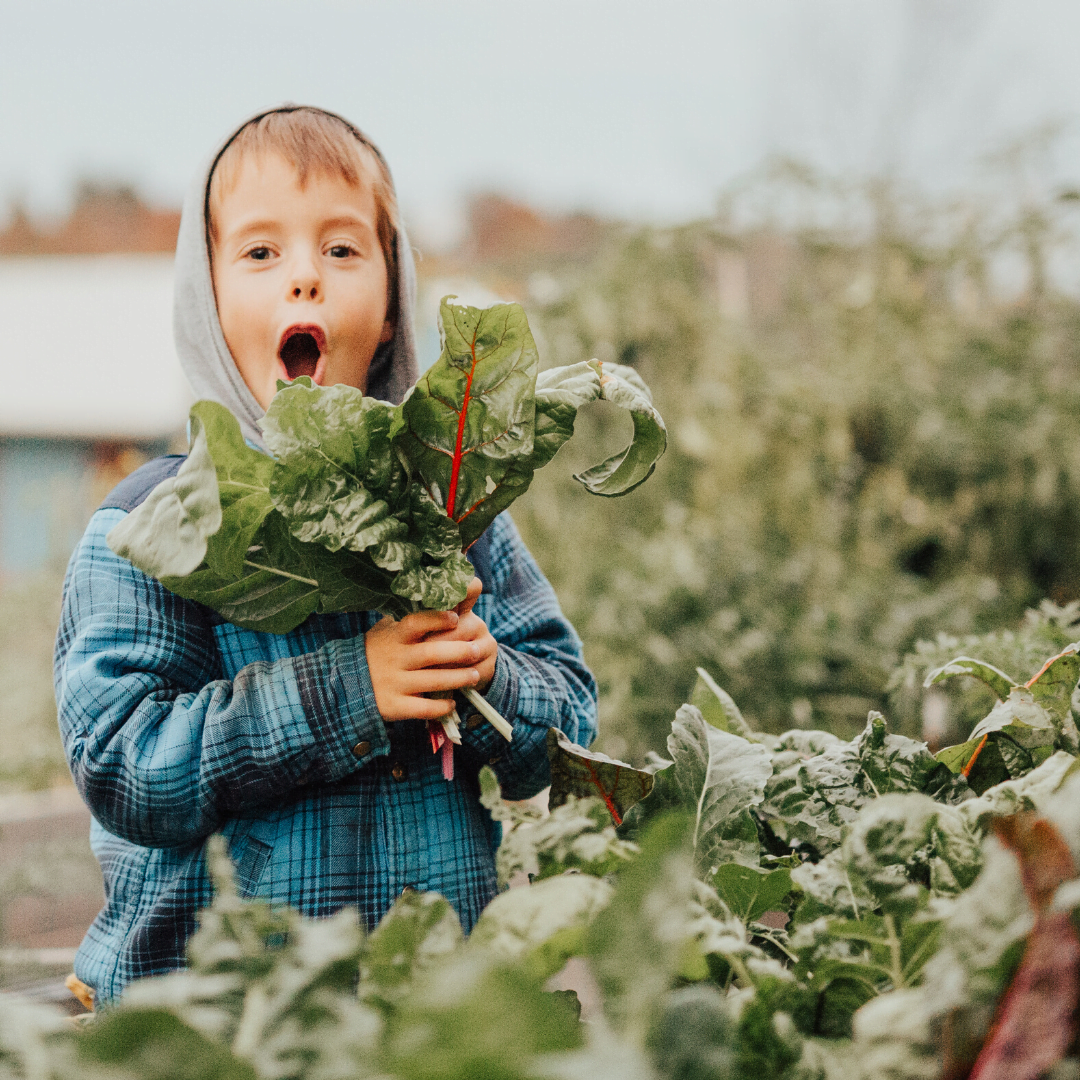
x=299 y=276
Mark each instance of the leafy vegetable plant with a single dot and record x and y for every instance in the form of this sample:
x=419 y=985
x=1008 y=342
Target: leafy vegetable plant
x=789 y=906
x=365 y=505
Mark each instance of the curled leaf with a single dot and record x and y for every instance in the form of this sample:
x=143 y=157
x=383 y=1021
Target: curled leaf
x=632 y=466
x=994 y=677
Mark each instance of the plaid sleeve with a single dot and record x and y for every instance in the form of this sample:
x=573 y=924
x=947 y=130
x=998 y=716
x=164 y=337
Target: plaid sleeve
x=162 y=747
x=540 y=681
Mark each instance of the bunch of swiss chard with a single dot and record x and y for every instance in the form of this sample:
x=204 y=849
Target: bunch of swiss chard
x=365 y=505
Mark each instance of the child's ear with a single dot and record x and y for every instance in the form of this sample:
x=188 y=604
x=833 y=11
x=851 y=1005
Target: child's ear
x=388 y=327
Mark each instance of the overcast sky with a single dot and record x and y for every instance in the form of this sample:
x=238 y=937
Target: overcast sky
x=628 y=107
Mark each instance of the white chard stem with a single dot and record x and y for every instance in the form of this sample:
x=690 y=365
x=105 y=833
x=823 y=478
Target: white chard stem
x=491 y=715
x=450 y=724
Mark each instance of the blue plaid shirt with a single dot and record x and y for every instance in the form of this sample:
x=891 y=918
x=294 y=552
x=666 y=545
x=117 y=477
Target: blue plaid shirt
x=177 y=725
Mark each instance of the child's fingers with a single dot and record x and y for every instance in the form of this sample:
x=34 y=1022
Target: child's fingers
x=466 y=605
x=417 y=626
x=426 y=654
x=426 y=708
x=434 y=680
x=469 y=628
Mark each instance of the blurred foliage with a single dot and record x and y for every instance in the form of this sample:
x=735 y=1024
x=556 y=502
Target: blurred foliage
x=33 y=756
x=869 y=446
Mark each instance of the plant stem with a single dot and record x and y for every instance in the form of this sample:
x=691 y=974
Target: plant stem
x=896 y=971
x=490 y=714
x=854 y=902
x=281 y=573
x=742 y=976
x=450 y=724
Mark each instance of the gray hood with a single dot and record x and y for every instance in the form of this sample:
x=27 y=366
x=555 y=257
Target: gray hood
x=200 y=344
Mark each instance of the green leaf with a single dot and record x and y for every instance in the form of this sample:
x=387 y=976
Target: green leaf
x=899 y=840
x=1029 y=792
x=1053 y=687
x=560 y=392
x=577 y=835
x=337 y=469
x=895 y=763
x=470 y=419
x=420 y=929
x=749 y=893
x=631 y=467
x=720 y=777
x=153 y=1044
x=264 y=597
x=472 y=1016
x=243 y=476
x=580 y=772
x=1021 y=718
x=996 y=679
x=437 y=588
x=717 y=706
x=813 y=799
x=692 y=1035
x=167 y=534
x=276 y=988
x=518 y=923
x=954 y=758
x=635 y=945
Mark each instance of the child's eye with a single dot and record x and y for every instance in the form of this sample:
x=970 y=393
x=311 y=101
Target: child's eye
x=341 y=251
x=259 y=254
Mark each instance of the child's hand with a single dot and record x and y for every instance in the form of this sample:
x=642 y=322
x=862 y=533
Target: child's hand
x=472 y=628
x=414 y=656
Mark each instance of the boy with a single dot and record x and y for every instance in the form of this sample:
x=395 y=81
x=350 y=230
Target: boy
x=307 y=751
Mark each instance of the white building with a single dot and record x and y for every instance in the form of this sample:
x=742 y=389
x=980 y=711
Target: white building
x=89 y=387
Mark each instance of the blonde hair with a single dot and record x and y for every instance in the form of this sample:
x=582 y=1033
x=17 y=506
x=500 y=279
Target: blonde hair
x=313 y=141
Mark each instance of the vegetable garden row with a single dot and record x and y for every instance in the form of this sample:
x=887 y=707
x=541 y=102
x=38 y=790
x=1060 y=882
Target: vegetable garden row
x=789 y=906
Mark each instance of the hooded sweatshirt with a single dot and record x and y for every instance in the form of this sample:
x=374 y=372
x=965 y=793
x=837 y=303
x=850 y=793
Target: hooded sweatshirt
x=177 y=725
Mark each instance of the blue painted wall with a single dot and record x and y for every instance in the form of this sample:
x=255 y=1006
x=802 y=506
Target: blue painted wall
x=48 y=490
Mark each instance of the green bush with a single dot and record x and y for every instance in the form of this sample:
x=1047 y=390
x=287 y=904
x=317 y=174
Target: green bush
x=868 y=447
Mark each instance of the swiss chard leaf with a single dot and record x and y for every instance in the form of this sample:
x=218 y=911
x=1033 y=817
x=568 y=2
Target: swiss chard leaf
x=577 y=835
x=717 y=706
x=749 y=893
x=417 y=931
x=336 y=466
x=560 y=392
x=813 y=799
x=720 y=777
x=1052 y=688
x=243 y=476
x=580 y=772
x=471 y=417
x=632 y=466
x=994 y=677
x=366 y=505
x=167 y=534
x=545 y=921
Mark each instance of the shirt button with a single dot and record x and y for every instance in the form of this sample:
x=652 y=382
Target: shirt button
x=361 y=748
x=398 y=772
x=474 y=721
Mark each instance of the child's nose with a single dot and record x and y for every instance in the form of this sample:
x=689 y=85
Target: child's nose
x=311 y=291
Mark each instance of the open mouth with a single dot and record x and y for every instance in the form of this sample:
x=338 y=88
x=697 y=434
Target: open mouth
x=301 y=352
